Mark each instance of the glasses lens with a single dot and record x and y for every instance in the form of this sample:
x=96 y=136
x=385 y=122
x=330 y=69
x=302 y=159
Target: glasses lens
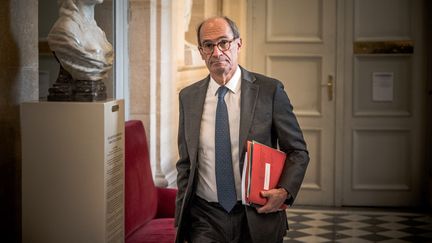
x=207 y=47
x=224 y=45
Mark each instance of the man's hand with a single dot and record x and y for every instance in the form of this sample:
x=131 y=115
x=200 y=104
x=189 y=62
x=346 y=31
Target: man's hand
x=275 y=199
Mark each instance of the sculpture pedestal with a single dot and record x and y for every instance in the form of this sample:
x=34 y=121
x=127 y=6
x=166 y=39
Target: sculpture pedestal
x=67 y=89
x=89 y=90
x=72 y=171
x=63 y=88
x=80 y=90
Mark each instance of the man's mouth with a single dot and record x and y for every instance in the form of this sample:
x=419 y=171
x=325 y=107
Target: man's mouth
x=217 y=62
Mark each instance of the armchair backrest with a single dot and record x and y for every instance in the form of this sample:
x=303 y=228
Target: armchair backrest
x=140 y=191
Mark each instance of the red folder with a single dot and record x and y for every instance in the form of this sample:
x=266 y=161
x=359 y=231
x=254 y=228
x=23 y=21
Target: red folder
x=262 y=170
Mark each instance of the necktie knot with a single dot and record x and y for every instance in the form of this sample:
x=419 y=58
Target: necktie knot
x=222 y=92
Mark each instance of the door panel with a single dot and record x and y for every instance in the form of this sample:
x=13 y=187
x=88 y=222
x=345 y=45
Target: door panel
x=290 y=12
x=304 y=73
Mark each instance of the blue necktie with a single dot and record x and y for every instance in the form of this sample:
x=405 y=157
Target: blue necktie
x=224 y=169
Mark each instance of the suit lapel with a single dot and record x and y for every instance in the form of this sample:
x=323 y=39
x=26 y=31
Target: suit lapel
x=196 y=101
x=249 y=94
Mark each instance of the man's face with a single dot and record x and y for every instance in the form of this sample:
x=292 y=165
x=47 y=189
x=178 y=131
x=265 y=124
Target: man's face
x=219 y=62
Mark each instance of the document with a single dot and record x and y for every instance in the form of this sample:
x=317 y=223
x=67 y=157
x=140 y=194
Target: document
x=262 y=169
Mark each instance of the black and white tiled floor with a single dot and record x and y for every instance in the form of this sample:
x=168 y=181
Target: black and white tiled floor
x=316 y=225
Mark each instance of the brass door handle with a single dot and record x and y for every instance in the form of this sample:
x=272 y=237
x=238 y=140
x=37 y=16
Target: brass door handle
x=329 y=85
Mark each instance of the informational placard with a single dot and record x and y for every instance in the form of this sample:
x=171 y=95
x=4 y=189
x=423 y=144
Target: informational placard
x=114 y=174
x=114 y=178
x=382 y=86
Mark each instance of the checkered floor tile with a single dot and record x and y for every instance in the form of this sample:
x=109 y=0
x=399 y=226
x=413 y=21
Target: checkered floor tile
x=315 y=225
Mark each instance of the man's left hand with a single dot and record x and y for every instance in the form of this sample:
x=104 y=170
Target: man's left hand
x=275 y=199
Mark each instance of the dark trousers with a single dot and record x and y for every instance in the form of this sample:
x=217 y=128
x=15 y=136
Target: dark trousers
x=211 y=223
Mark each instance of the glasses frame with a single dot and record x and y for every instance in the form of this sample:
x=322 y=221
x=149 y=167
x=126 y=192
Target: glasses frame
x=218 y=46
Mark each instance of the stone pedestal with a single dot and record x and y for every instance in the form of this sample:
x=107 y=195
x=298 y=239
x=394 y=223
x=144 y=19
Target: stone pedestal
x=67 y=89
x=86 y=90
x=63 y=88
x=72 y=171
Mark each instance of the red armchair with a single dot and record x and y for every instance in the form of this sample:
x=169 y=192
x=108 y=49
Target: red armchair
x=149 y=210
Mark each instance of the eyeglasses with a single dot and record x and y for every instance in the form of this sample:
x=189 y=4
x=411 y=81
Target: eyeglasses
x=222 y=45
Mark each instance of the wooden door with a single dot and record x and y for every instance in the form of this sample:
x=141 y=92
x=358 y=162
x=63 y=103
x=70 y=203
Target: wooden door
x=294 y=41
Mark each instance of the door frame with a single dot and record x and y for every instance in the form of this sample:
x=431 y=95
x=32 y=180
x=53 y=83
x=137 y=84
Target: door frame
x=339 y=94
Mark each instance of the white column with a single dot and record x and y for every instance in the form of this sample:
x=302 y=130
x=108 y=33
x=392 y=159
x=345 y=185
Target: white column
x=168 y=134
x=121 y=54
x=159 y=178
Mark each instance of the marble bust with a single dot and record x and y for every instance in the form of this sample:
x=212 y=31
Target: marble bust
x=80 y=46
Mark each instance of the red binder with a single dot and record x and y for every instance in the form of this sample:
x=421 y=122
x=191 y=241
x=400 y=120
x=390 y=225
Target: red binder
x=261 y=171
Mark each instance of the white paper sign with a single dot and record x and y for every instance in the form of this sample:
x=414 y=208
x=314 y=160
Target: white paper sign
x=382 y=86
x=267 y=176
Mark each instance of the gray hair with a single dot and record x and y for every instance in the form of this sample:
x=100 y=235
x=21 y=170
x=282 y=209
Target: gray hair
x=230 y=22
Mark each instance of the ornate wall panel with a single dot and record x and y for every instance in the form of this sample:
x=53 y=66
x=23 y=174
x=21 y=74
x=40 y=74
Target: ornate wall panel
x=294 y=20
x=382 y=85
x=381 y=150
x=383 y=19
x=304 y=73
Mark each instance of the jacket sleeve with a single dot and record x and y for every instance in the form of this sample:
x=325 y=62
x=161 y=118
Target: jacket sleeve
x=291 y=141
x=182 y=165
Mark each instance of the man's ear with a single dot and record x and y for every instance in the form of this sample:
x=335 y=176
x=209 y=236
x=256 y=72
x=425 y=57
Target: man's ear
x=239 y=44
x=202 y=54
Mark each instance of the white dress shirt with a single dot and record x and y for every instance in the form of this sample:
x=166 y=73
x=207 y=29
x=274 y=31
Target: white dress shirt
x=206 y=187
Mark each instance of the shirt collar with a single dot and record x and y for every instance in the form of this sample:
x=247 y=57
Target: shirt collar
x=233 y=84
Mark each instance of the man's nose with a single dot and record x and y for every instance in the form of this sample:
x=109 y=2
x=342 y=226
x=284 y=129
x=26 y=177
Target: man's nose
x=216 y=51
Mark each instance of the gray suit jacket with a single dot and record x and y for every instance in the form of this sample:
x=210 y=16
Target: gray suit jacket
x=266 y=116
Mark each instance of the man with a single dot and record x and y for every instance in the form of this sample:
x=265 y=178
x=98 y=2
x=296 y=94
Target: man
x=218 y=115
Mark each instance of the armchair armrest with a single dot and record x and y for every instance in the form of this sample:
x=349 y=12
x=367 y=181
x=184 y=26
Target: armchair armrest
x=166 y=202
